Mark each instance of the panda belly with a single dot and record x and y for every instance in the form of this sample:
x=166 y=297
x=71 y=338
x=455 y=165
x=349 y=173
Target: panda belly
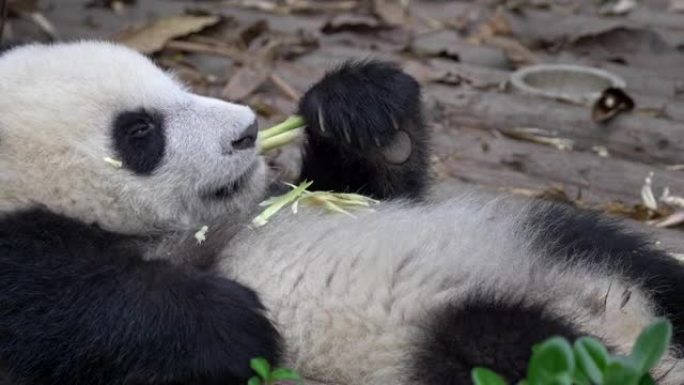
x=359 y=300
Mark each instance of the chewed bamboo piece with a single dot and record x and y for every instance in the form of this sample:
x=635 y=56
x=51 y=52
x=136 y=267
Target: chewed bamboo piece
x=331 y=201
x=281 y=134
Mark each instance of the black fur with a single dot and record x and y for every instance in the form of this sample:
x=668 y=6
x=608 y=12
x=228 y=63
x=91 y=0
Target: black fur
x=7 y=46
x=363 y=106
x=494 y=334
x=78 y=305
x=139 y=140
x=587 y=237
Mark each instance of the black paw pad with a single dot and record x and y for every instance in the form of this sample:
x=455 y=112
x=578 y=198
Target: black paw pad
x=362 y=105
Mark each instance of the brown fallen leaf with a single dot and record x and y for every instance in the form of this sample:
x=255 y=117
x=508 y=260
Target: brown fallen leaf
x=297 y=6
x=497 y=32
x=425 y=73
x=539 y=135
x=638 y=47
x=618 y=8
x=251 y=31
x=497 y=25
x=23 y=6
x=3 y=17
x=677 y=5
x=262 y=56
x=153 y=37
x=553 y=193
x=352 y=22
x=638 y=212
x=246 y=80
x=391 y=12
x=449 y=45
x=114 y=5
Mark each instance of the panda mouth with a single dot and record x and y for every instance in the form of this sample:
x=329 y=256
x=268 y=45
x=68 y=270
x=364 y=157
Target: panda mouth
x=233 y=187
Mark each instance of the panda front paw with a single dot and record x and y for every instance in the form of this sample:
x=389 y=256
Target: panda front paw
x=233 y=330
x=368 y=108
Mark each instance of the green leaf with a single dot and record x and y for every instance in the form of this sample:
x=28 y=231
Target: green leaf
x=647 y=380
x=592 y=358
x=261 y=367
x=552 y=362
x=482 y=376
x=254 y=381
x=285 y=374
x=621 y=372
x=579 y=378
x=651 y=345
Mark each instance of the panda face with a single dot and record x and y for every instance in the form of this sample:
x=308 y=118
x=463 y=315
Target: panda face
x=97 y=132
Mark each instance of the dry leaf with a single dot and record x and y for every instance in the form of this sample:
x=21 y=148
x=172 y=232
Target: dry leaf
x=619 y=7
x=425 y=73
x=391 y=12
x=352 y=22
x=246 y=80
x=153 y=37
x=23 y=6
x=516 y=52
x=496 y=26
x=541 y=136
x=677 y=5
x=302 y=6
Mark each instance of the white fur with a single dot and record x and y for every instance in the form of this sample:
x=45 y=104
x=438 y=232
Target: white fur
x=350 y=295
x=57 y=106
x=358 y=327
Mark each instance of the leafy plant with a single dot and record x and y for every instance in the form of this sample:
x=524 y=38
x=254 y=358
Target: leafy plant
x=587 y=362
x=269 y=376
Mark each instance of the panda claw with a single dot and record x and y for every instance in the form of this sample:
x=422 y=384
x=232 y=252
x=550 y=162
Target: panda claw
x=394 y=123
x=321 y=121
x=347 y=136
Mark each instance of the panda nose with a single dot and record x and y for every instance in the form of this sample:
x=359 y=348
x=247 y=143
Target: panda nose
x=247 y=138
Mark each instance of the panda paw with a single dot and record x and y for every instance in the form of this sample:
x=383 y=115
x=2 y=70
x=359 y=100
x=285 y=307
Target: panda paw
x=367 y=108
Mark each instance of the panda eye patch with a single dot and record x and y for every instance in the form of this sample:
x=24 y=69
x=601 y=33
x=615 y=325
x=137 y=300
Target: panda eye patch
x=136 y=124
x=138 y=139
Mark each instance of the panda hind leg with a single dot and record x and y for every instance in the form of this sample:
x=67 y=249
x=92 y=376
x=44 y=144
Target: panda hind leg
x=482 y=332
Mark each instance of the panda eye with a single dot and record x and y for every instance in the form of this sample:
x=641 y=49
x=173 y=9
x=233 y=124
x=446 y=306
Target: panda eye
x=139 y=130
x=138 y=139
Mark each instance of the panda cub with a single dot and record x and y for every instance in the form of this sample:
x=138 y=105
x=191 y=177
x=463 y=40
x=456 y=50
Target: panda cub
x=108 y=166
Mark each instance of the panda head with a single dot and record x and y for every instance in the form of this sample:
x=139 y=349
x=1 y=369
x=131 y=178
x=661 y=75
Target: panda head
x=97 y=132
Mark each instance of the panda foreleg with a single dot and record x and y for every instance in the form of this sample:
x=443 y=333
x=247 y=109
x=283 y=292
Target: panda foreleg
x=365 y=132
x=79 y=305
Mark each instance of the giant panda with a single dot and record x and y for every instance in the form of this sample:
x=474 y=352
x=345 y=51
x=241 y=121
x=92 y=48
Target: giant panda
x=103 y=282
